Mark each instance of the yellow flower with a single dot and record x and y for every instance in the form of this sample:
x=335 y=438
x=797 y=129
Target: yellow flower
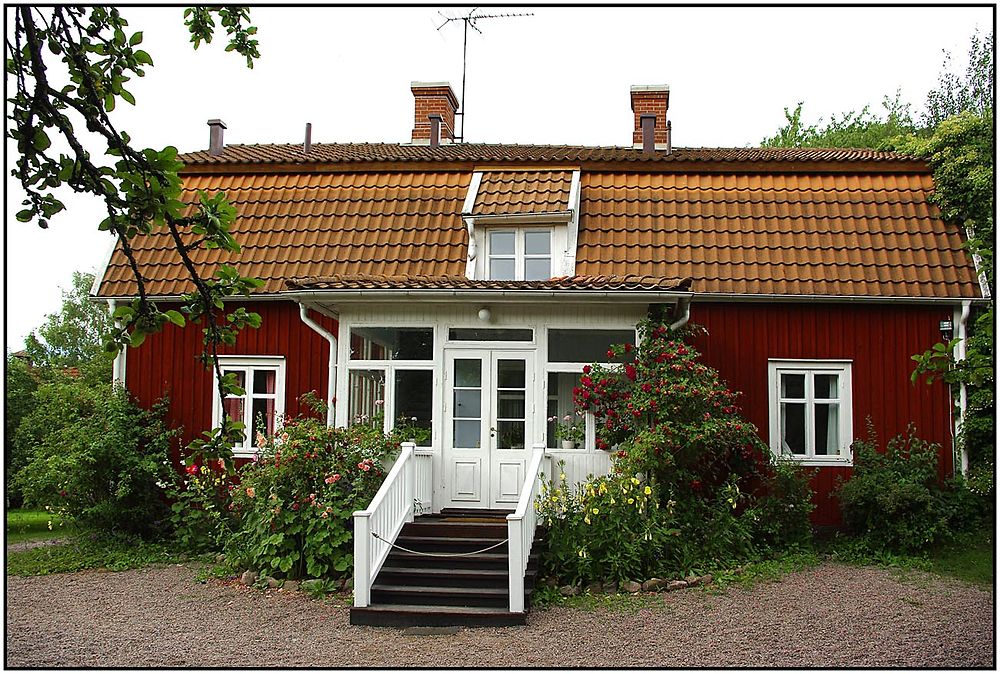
x=647 y=490
x=603 y=489
x=635 y=480
x=562 y=476
x=631 y=501
x=612 y=500
x=587 y=519
x=595 y=511
x=555 y=500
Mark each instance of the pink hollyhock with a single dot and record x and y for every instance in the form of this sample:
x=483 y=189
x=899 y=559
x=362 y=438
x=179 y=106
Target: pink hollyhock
x=191 y=470
x=295 y=506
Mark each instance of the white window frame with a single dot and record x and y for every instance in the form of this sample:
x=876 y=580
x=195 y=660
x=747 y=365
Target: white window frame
x=249 y=364
x=775 y=368
x=519 y=255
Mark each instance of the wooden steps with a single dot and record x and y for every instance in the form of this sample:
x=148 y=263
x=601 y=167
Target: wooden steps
x=414 y=589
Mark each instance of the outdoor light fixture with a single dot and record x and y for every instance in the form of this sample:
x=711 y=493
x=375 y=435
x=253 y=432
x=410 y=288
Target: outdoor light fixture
x=485 y=315
x=945 y=325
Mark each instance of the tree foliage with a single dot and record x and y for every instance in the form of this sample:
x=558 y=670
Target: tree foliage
x=69 y=67
x=850 y=129
x=955 y=93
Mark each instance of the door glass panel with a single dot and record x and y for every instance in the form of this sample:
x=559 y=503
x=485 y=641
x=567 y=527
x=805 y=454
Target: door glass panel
x=490 y=335
x=468 y=403
x=536 y=243
x=793 y=386
x=510 y=374
x=510 y=404
x=793 y=428
x=263 y=381
x=510 y=435
x=826 y=386
x=468 y=372
x=467 y=433
x=827 y=429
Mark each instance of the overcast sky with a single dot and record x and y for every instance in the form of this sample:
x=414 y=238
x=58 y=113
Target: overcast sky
x=561 y=76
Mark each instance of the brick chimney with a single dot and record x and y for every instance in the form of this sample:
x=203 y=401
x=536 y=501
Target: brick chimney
x=433 y=98
x=651 y=99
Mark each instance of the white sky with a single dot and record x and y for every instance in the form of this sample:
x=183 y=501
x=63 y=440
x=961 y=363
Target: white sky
x=561 y=76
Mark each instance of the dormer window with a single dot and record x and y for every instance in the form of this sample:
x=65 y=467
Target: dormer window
x=519 y=254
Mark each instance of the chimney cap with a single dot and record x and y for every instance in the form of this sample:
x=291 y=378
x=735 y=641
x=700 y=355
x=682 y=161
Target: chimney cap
x=217 y=122
x=650 y=88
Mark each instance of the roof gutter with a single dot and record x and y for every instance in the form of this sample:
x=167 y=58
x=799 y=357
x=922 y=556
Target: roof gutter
x=963 y=400
x=684 y=309
x=331 y=380
x=474 y=294
x=865 y=299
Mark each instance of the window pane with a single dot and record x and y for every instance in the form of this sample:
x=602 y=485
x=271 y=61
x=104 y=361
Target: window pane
x=585 y=346
x=241 y=377
x=826 y=386
x=489 y=335
x=234 y=408
x=392 y=343
x=537 y=269
x=827 y=428
x=468 y=403
x=510 y=374
x=501 y=243
x=414 y=390
x=510 y=435
x=793 y=428
x=501 y=269
x=264 y=380
x=560 y=409
x=537 y=243
x=468 y=372
x=793 y=385
x=262 y=420
x=467 y=433
x=366 y=397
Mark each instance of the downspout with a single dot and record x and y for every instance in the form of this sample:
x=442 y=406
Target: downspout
x=960 y=350
x=684 y=308
x=331 y=381
x=118 y=366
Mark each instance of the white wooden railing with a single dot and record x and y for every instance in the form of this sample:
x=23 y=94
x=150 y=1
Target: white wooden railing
x=521 y=528
x=391 y=508
x=424 y=457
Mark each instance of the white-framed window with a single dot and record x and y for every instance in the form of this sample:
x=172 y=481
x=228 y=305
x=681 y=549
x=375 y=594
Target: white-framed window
x=262 y=405
x=810 y=410
x=519 y=254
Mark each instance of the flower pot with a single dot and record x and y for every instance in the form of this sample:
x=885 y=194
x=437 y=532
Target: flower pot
x=568 y=444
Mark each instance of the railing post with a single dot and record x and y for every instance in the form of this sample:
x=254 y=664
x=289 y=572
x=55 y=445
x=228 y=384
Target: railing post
x=515 y=574
x=362 y=559
x=410 y=477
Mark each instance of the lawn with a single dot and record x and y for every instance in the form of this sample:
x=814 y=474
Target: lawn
x=970 y=559
x=33 y=525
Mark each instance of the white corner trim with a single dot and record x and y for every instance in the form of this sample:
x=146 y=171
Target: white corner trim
x=573 y=227
x=470 y=260
x=102 y=270
x=977 y=260
x=470 y=196
x=118 y=365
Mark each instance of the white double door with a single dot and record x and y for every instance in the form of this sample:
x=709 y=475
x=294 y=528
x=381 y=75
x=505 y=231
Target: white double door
x=489 y=407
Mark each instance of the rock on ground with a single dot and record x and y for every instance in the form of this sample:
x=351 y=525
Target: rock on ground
x=829 y=616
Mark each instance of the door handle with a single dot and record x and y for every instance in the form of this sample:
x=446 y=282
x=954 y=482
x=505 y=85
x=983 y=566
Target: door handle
x=493 y=432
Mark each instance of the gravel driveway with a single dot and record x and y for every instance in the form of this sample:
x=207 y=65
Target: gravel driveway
x=831 y=615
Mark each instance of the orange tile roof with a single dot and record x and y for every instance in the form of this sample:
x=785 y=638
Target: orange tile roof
x=507 y=192
x=381 y=282
x=795 y=234
x=758 y=228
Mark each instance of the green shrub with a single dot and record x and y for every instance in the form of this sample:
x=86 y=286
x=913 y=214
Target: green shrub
x=894 y=501
x=610 y=527
x=19 y=400
x=100 y=460
x=201 y=513
x=781 y=511
x=295 y=503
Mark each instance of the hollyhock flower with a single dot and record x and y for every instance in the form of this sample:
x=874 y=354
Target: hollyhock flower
x=295 y=506
x=366 y=467
x=191 y=470
x=250 y=492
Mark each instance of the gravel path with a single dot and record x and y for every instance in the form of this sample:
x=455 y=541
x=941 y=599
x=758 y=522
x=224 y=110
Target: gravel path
x=831 y=615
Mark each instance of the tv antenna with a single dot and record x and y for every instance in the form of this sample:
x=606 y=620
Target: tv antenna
x=470 y=20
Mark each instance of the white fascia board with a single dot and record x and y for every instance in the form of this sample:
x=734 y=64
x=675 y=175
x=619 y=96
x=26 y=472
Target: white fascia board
x=573 y=227
x=102 y=270
x=550 y=218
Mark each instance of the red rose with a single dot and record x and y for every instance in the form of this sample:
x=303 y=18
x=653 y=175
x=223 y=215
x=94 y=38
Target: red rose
x=611 y=354
x=628 y=347
x=586 y=369
x=630 y=371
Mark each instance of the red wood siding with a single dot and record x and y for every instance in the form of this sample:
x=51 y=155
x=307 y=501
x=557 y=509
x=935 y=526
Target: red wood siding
x=879 y=339
x=167 y=363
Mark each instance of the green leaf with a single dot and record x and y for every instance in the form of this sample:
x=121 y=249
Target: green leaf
x=109 y=102
x=25 y=215
x=175 y=317
x=128 y=97
x=135 y=39
x=137 y=338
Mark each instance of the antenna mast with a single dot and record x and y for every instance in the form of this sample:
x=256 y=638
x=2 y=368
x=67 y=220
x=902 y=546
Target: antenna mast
x=470 y=20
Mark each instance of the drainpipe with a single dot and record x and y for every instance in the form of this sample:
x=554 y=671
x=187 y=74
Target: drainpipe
x=331 y=381
x=684 y=308
x=118 y=366
x=960 y=351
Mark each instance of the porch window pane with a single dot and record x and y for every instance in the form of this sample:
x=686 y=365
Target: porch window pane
x=392 y=343
x=490 y=335
x=559 y=408
x=366 y=397
x=793 y=428
x=537 y=269
x=467 y=433
x=585 y=346
x=413 y=390
x=510 y=435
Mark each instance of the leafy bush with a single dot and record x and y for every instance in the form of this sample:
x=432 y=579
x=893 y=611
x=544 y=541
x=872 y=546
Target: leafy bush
x=20 y=392
x=673 y=425
x=610 y=527
x=201 y=513
x=99 y=459
x=894 y=501
x=295 y=503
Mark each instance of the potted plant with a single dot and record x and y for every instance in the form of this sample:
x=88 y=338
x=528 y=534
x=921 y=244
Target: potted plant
x=569 y=431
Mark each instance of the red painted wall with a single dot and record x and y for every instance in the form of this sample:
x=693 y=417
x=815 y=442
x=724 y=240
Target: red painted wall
x=879 y=339
x=167 y=363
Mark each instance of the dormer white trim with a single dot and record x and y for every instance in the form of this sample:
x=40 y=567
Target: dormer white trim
x=470 y=224
x=573 y=227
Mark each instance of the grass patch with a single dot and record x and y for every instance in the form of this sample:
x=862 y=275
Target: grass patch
x=765 y=570
x=34 y=525
x=90 y=552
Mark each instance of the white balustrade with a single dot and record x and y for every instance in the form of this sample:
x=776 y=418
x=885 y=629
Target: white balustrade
x=424 y=457
x=521 y=528
x=391 y=508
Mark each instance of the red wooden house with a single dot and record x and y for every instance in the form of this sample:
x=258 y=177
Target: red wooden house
x=466 y=285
